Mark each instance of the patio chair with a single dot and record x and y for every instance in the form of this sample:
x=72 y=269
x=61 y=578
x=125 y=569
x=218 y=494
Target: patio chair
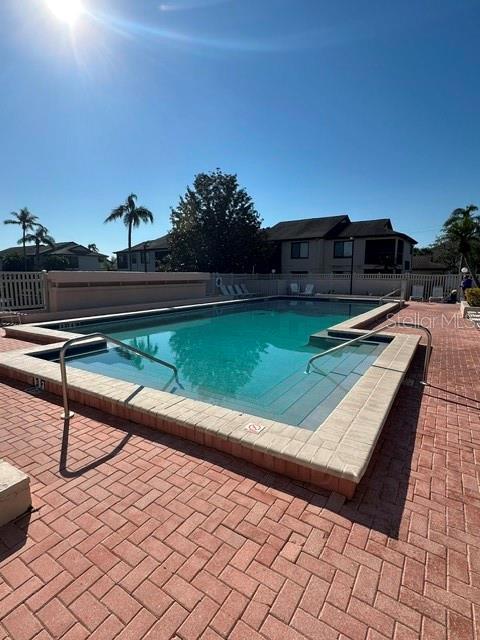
x=223 y=290
x=437 y=295
x=238 y=290
x=294 y=288
x=309 y=288
x=417 y=292
x=245 y=291
x=231 y=290
x=9 y=317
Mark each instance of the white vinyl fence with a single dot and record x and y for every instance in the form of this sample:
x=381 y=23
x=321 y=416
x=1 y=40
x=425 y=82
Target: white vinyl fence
x=338 y=283
x=22 y=290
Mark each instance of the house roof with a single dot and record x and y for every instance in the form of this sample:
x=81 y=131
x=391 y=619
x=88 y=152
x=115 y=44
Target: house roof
x=339 y=226
x=368 y=228
x=307 y=228
x=60 y=248
x=427 y=262
x=158 y=244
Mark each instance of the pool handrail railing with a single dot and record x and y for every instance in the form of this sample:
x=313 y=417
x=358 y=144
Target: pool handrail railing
x=364 y=336
x=91 y=336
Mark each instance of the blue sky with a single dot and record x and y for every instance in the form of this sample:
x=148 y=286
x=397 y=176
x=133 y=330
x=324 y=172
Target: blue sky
x=369 y=108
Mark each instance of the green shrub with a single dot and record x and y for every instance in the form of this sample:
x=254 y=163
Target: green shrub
x=473 y=297
x=13 y=262
x=55 y=263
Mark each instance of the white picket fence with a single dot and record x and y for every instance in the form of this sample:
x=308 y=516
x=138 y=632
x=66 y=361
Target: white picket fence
x=23 y=291
x=365 y=284
x=20 y=291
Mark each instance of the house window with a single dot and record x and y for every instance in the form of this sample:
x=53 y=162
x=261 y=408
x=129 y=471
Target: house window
x=342 y=249
x=122 y=261
x=380 y=252
x=299 y=250
x=134 y=258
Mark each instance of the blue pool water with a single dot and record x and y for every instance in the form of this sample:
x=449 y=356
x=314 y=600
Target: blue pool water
x=249 y=357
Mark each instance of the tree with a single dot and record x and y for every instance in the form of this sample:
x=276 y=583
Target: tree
x=56 y=263
x=12 y=262
x=38 y=237
x=92 y=247
x=132 y=216
x=215 y=227
x=462 y=230
x=27 y=221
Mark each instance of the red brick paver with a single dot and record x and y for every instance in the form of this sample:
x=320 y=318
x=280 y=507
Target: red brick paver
x=167 y=539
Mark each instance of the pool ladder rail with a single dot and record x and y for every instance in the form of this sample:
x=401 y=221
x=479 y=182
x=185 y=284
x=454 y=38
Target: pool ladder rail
x=364 y=336
x=77 y=339
x=388 y=297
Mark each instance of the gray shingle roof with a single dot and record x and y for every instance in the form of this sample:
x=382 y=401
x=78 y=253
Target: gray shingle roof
x=60 y=248
x=427 y=262
x=368 y=228
x=158 y=243
x=307 y=228
x=333 y=227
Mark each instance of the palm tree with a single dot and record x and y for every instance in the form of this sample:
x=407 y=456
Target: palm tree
x=39 y=236
x=27 y=221
x=132 y=216
x=92 y=247
x=462 y=229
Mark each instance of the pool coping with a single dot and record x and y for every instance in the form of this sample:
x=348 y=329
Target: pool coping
x=335 y=456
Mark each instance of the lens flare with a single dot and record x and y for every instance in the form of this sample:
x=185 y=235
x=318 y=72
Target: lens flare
x=66 y=10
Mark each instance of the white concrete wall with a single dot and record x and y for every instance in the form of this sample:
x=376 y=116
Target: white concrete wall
x=68 y=290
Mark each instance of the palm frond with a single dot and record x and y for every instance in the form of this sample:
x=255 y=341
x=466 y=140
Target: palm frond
x=12 y=222
x=143 y=214
x=116 y=214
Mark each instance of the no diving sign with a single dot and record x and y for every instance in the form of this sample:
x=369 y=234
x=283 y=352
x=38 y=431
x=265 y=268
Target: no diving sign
x=254 y=428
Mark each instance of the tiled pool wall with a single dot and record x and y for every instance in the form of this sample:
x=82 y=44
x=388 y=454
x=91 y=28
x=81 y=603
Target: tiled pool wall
x=334 y=456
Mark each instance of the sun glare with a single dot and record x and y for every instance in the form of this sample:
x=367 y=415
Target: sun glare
x=66 y=10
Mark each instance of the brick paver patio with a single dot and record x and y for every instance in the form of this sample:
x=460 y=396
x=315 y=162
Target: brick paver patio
x=137 y=534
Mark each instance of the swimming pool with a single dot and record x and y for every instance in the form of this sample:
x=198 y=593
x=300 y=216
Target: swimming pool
x=249 y=356
x=243 y=387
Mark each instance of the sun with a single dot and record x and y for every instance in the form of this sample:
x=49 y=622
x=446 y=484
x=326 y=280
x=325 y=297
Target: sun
x=66 y=10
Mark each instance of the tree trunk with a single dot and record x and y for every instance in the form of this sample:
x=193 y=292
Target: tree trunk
x=130 y=246
x=474 y=275
x=24 y=252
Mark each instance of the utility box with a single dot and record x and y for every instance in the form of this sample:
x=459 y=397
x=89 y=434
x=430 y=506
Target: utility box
x=15 y=496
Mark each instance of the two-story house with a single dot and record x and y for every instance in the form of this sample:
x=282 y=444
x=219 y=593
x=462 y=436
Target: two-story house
x=335 y=244
x=145 y=256
x=74 y=257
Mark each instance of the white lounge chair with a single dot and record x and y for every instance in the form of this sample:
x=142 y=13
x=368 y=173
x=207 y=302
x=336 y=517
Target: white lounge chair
x=437 y=295
x=417 y=292
x=231 y=290
x=244 y=289
x=223 y=290
x=9 y=317
x=309 y=288
x=294 y=288
x=238 y=290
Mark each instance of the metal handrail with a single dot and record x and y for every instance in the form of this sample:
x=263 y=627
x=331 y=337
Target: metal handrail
x=69 y=414
x=387 y=295
x=378 y=330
